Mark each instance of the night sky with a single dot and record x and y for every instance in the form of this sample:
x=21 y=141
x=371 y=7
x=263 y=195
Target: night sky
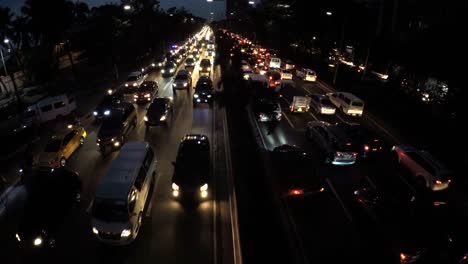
x=197 y=7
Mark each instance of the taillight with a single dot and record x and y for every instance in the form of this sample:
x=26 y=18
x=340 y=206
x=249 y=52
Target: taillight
x=322 y=189
x=296 y=192
x=366 y=148
x=338 y=154
x=438 y=182
x=354 y=154
x=402 y=257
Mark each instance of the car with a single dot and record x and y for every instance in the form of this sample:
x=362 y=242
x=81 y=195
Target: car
x=203 y=91
x=192 y=168
x=183 y=80
x=307 y=75
x=61 y=146
x=289 y=65
x=246 y=74
x=267 y=110
x=406 y=222
x=117 y=128
x=146 y=91
x=158 y=62
x=135 y=79
x=190 y=62
x=205 y=66
x=333 y=142
x=296 y=171
x=107 y=104
x=425 y=169
x=168 y=69
x=274 y=78
x=367 y=142
x=210 y=54
x=286 y=74
x=177 y=58
x=348 y=103
x=158 y=111
x=51 y=198
x=322 y=104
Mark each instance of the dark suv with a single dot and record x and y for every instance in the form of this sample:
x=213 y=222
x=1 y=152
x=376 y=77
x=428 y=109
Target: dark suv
x=203 y=91
x=146 y=92
x=115 y=129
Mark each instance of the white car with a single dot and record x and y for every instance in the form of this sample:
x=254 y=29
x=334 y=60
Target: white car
x=135 y=79
x=322 y=104
x=307 y=75
x=423 y=166
x=286 y=74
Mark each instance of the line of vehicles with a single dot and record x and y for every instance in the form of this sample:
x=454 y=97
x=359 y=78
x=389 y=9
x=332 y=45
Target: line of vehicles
x=418 y=218
x=121 y=198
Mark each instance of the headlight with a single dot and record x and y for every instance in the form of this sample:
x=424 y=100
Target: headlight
x=209 y=96
x=153 y=65
x=185 y=84
x=107 y=112
x=135 y=84
x=175 y=187
x=126 y=85
x=126 y=233
x=38 y=241
x=204 y=187
x=162 y=70
x=160 y=64
x=135 y=95
x=116 y=144
x=18 y=238
x=145 y=118
x=162 y=118
x=147 y=95
x=95 y=231
x=195 y=96
x=95 y=113
x=172 y=70
x=174 y=84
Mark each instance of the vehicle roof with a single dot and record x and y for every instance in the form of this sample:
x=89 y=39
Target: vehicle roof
x=351 y=96
x=52 y=99
x=135 y=73
x=183 y=72
x=119 y=179
x=437 y=164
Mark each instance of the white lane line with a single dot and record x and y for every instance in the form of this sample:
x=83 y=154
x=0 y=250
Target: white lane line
x=348 y=215
x=396 y=141
x=236 y=245
x=296 y=232
x=287 y=119
x=340 y=118
x=165 y=87
x=313 y=116
x=307 y=91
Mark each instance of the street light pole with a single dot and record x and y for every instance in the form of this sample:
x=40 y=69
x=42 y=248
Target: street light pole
x=3 y=61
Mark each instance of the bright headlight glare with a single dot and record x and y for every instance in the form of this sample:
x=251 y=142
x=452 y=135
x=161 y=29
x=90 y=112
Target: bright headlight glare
x=172 y=70
x=204 y=187
x=95 y=231
x=209 y=96
x=38 y=241
x=135 y=95
x=195 y=96
x=126 y=233
x=160 y=64
x=135 y=84
x=145 y=118
x=162 y=118
x=175 y=187
x=174 y=84
x=152 y=64
x=162 y=70
x=95 y=113
x=185 y=84
x=18 y=238
x=107 y=112
x=147 y=95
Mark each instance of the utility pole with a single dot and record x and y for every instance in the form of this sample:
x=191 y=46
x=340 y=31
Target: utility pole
x=340 y=48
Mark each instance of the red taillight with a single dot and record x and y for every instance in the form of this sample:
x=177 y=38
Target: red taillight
x=296 y=192
x=354 y=154
x=259 y=60
x=348 y=144
x=322 y=189
x=366 y=148
x=338 y=154
x=438 y=182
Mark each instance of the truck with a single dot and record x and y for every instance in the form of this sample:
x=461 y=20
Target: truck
x=275 y=63
x=300 y=104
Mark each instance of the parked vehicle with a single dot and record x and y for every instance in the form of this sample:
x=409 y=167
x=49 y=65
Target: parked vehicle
x=50 y=108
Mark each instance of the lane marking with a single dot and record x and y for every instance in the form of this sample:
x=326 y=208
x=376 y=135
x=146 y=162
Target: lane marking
x=287 y=119
x=348 y=215
x=371 y=182
x=297 y=236
x=312 y=115
x=340 y=118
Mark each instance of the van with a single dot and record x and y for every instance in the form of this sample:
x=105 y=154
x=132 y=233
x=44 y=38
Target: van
x=348 y=103
x=275 y=63
x=50 y=108
x=121 y=197
x=307 y=75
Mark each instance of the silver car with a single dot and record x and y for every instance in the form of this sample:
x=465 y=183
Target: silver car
x=183 y=80
x=322 y=104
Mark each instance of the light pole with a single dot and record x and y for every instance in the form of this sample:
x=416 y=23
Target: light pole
x=3 y=61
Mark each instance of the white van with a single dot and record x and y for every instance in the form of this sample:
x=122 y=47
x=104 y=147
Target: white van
x=275 y=63
x=50 y=108
x=118 y=207
x=348 y=103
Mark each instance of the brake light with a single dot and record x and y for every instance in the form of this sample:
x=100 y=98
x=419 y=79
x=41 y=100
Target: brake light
x=402 y=257
x=338 y=154
x=438 y=182
x=354 y=154
x=296 y=192
x=322 y=189
x=366 y=148
x=348 y=144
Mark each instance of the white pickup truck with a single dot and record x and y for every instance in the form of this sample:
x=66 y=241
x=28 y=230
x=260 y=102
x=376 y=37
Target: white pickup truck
x=300 y=104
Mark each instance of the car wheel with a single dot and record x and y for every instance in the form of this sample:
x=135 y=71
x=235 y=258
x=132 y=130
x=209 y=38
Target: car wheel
x=81 y=141
x=63 y=162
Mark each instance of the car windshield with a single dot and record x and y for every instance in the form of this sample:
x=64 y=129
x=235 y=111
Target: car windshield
x=358 y=104
x=205 y=63
x=269 y=107
x=131 y=79
x=157 y=106
x=181 y=77
x=145 y=87
x=192 y=164
x=110 y=210
x=113 y=123
x=326 y=102
x=189 y=60
x=53 y=145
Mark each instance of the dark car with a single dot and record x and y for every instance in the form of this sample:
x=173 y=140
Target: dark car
x=169 y=69
x=115 y=129
x=296 y=172
x=159 y=111
x=367 y=141
x=146 y=92
x=205 y=66
x=416 y=228
x=189 y=63
x=203 y=91
x=192 y=168
x=267 y=110
x=51 y=198
x=106 y=106
x=274 y=78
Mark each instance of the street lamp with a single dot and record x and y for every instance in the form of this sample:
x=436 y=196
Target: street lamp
x=251 y=3
x=328 y=13
x=127 y=7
